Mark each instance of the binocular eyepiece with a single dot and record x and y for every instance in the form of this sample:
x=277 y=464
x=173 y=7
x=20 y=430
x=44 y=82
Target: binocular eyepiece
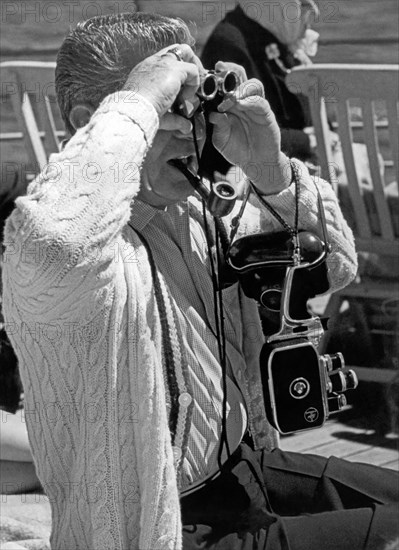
x=213 y=88
x=217 y=83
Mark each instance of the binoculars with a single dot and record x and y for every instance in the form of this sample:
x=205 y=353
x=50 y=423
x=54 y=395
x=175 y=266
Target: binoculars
x=213 y=88
x=219 y=84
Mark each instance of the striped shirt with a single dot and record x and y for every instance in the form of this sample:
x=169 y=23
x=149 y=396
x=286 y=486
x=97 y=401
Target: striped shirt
x=179 y=247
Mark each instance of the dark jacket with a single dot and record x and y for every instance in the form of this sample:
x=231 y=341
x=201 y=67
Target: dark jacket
x=242 y=40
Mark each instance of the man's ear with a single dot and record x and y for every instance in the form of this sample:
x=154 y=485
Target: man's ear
x=80 y=115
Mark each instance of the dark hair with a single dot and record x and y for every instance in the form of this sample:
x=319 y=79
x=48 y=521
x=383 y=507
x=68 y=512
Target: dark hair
x=96 y=58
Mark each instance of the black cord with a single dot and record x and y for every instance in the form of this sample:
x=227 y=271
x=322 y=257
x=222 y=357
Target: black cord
x=220 y=239
x=197 y=153
x=222 y=352
x=293 y=231
x=295 y=176
x=220 y=332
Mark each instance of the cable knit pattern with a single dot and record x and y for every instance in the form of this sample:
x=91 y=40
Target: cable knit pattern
x=81 y=313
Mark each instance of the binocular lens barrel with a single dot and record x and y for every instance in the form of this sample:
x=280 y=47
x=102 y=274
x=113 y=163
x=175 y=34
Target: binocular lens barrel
x=213 y=86
x=209 y=86
x=212 y=83
x=230 y=82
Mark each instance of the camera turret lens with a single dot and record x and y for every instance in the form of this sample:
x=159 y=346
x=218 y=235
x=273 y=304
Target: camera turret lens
x=337 y=360
x=336 y=403
x=338 y=381
x=352 y=380
x=333 y=361
x=343 y=380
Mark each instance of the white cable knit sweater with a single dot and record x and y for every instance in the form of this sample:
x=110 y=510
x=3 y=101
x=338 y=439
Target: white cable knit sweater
x=81 y=314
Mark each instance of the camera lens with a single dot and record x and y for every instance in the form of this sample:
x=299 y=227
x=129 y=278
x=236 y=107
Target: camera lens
x=221 y=199
x=224 y=190
x=271 y=299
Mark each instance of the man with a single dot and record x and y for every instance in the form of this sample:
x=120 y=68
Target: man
x=135 y=426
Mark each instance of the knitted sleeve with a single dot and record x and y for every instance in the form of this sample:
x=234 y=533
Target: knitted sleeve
x=342 y=261
x=70 y=222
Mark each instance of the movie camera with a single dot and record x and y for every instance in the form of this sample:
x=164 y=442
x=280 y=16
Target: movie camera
x=302 y=388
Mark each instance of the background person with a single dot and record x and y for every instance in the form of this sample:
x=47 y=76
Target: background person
x=268 y=40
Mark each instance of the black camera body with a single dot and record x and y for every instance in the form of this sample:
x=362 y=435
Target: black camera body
x=301 y=386
x=294 y=385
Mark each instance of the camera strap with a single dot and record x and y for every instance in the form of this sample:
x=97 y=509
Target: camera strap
x=293 y=231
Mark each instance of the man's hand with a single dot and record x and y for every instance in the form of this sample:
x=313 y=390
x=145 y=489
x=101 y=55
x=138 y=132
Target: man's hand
x=247 y=135
x=161 y=77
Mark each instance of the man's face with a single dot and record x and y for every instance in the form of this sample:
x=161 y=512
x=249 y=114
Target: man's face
x=286 y=19
x=161 y=183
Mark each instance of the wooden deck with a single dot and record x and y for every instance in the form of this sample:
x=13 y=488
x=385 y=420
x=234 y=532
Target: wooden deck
x=28 y=515
x=359 y=433
x=346 y=437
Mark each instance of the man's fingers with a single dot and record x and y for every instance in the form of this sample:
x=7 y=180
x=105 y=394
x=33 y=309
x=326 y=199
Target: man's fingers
x=227 y=66
x=173 y=72
x=252 y=87
x=190 y=81
x=173 y=122
x=184 y=52
x=183 y=61
x=254 y=104
x=220 y=119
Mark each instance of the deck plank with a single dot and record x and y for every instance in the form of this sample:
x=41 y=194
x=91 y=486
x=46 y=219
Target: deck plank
x=376 y=456
x=346 y=440
x=313 y=439
x=391 y=465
